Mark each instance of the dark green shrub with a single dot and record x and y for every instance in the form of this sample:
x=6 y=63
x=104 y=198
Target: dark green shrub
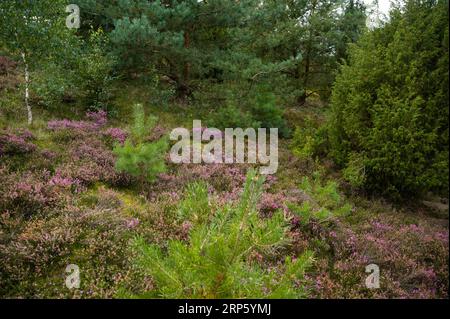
x=390 y=104
x=231 y=116
x=259 y=111
x=264 y=109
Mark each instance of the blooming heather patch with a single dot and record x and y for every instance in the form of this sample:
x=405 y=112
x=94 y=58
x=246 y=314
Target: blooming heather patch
x=16 y=143
x=95 y=121
x=116 y=134
x=99 y=118
x=61 y=207
x=413 y=260
x=27 y=194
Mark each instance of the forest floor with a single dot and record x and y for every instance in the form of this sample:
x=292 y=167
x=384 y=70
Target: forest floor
x=87 y=213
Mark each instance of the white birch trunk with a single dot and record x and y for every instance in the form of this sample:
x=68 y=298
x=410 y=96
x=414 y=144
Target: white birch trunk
x=27 y=89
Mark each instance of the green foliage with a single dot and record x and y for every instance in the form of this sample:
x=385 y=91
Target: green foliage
x=216 y=262
x=309 y=140
x=188 y=41
x=261 y=110
x=324 y=204
x=142 y=124
x=195 y=205
x=355 y=172
x=94 y=71
x=303 y=53
x=137 y=157
x=390 y=104
x=34 y=28
x=52 y=84
x=231 y=116
x=80 y=70
x=35 y=33
x=266 y=111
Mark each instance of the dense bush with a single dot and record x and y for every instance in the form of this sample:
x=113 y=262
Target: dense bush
x=265 y=110
x=83 y=74
x=390 y=104
x=309 y=140
x=54 y=83
x=231 y=116
x=95 y=68
x=259 y=111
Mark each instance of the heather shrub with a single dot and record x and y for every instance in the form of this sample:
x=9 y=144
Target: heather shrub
x=35 y=255
x=139 y=158
x=26 y=194
x=96 y=120
x=14 y=144
x=115 y=135
x=272 y=203
x=221 y=177
x=219 y=259
x=413 y=260
x=88 y=158
x=390 y=104
x=90 y=169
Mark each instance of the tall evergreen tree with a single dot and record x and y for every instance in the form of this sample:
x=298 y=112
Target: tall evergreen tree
x=181 y=39
x=308 y=37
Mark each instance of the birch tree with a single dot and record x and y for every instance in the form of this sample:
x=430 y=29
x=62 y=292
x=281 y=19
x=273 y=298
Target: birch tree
x=32 y=31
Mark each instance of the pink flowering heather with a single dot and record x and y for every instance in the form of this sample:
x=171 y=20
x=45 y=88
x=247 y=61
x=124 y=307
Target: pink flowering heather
x=132 y=223
x=95 y=121
x=65 y=182
x=99 y=118
x=11 y=144
x=69 y=124
x=117 y=134
x=270 y=203
x=26 y=194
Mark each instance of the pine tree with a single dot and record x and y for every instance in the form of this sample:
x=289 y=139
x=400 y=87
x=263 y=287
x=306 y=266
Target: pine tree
x=181 y=39
x=301 y=42
x=217 y=261
x=141 y=159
